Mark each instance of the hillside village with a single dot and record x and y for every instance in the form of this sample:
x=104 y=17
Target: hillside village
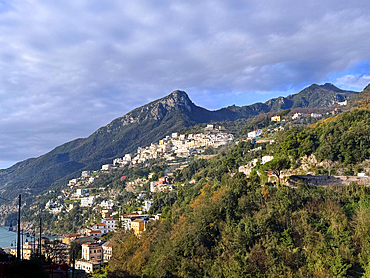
x=109 y=214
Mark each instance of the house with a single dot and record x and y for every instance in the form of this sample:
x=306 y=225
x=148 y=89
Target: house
x=107 y=250
x=316 y=115
x=108 y=204
x=254 y=133
x=69 y=238
x=81 y=191
x=110 y=223
x=106 y=225
x=297 y=116
x=95 y=233
x=126 y=219
x=343 y=103
x=106 y=212
x=92 y=251
x=101 y=227
x=275 y=119
x=162 y=184
x=87 y=201
x=92 y=256
x=85 y=174
x=138 y=225
x=106 y=167
x=266 y=158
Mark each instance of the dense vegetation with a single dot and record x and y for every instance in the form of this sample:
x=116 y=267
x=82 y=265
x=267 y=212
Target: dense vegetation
x=345 y=138
x=236 y=228
x=220 y=223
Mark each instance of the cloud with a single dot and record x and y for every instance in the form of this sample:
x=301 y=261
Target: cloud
x=69 y=67
x=355 y=81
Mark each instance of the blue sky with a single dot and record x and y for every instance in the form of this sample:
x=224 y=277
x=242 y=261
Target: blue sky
x=69 y=67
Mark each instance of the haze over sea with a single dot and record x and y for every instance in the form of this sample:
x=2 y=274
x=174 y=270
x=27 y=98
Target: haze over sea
x=6 y=237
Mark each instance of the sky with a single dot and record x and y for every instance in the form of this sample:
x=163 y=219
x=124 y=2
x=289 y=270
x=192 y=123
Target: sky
x=69 y=67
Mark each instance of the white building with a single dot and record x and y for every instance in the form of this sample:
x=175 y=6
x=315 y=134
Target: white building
x=316 y=115
x=106 y=167
x=296 y=116
x=85 y=174
x=87 y=201
x=254 y=133
x=266 y=158
x=343 y=103
x=107 y=250
x=81 y=191
x=108 y=204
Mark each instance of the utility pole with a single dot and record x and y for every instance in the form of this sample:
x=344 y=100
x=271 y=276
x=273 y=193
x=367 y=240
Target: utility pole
x=19 y=230
x=40 y=237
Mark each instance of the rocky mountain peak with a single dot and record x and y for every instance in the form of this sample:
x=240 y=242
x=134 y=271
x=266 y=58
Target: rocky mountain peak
x=331 y=87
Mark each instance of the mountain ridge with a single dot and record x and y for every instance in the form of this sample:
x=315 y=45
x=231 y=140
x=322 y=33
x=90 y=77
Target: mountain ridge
x=140 y=127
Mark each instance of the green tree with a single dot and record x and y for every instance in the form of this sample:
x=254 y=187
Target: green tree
x=276 y=165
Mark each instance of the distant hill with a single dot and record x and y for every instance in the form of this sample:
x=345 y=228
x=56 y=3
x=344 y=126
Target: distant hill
x=140 y=127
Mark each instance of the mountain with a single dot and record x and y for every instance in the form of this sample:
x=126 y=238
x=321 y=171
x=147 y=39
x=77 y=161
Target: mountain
x=140 y=127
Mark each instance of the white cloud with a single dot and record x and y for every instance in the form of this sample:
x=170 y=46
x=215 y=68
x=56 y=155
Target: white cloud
x=357 y=82
x=72 y=66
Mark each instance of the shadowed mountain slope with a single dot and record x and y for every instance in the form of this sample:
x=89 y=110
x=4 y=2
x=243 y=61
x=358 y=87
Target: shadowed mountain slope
x=140 y=127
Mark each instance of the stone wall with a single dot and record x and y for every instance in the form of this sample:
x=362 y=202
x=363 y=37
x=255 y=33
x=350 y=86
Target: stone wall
x=327 y=180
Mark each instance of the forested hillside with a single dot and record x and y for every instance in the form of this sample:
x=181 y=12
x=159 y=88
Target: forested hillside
x=221 y=223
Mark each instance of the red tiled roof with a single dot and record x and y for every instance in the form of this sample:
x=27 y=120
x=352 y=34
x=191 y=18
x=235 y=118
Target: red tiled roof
x=73 y=235
x=95 y=232
x=91 y=243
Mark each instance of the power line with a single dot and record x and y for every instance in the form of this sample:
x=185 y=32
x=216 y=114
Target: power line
x=5 y=199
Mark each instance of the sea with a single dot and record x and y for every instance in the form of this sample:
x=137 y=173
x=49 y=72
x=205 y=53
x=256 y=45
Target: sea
x=7 y=238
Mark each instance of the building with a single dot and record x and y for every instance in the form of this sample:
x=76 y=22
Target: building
x=107 y=250
x=254 y=133
x=266 y=158
x=106 y=225
x=87 y=201
x=92 y=257
x=138 y=225
x=316 y=115
x=85 y=174
x=95 y=233
x=297 y=116
x=81 y=191
x=275 y=119
x=92 y=252
x=127 y=219
x=106 y=212
x=162 y=184
x=106 y=167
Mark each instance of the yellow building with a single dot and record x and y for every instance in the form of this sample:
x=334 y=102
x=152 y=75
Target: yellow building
x=138 y=225
x=275 y=119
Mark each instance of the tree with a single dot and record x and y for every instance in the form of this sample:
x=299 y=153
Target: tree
x=276 y=165
x=74 y=249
